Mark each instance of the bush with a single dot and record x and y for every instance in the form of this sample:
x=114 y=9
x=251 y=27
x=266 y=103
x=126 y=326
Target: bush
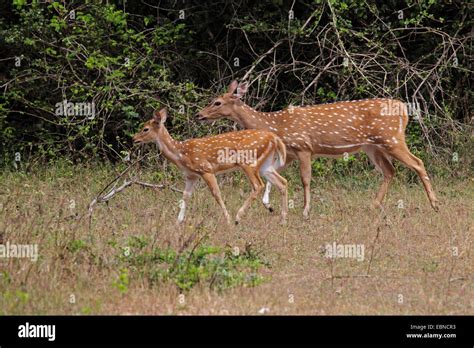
x=129 y=59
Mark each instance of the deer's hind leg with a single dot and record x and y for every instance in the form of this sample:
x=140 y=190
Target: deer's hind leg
x=270 y=173
x=266 y=196
x=268 y=187
x=403 y=154
x=383 y=164
x=276 y=179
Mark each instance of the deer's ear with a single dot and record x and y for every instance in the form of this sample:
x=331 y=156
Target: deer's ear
x=241 y=89
x=163 y=115
x=157 y=116
x=232 y=87
x=160 y=116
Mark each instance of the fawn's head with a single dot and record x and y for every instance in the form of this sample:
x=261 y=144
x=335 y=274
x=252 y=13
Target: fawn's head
x=151 y=129
x=224 y=105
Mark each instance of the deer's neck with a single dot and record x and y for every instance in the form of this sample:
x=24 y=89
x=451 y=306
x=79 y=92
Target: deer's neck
x=250 y=118
x=168 y=146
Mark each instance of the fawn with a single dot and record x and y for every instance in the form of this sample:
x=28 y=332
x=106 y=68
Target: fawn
x=253 y=151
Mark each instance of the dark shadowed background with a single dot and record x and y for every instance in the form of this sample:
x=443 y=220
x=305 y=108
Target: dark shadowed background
x=128 y=58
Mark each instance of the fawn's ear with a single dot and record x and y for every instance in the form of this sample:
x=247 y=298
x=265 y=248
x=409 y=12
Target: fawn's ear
x=160 y=116
x=241 y=89
x=232 y=87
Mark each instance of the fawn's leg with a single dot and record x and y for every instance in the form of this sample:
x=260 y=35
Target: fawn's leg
x=280 y=182
x=211 y=181
x=257 y=187
x=268 y=187
x=266 y=196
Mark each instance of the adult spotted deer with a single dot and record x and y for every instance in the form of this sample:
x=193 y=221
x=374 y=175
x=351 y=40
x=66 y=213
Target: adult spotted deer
x=253 y=151
x=375 y=126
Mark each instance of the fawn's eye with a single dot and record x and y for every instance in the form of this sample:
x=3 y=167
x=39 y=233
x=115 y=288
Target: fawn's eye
x=145 y=130
x=217 y=103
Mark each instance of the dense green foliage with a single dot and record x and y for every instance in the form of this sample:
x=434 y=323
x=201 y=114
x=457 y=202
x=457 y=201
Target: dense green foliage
x=130 y=57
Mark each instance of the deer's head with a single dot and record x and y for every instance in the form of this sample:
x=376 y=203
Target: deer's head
x=224 y=105
x=151 y=129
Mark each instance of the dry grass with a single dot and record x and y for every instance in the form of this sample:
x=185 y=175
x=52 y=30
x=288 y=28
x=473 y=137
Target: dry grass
x=410 y=250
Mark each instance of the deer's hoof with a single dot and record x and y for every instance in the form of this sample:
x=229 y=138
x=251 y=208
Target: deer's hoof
x=377 y=205
x=268 y=207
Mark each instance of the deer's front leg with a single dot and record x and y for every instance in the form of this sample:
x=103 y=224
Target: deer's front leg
x=188 y=191
x=257 y=187
x=305 y=172
x=211 y=181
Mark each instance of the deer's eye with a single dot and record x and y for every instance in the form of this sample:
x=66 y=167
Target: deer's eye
x=217 y=103
x=145 y=130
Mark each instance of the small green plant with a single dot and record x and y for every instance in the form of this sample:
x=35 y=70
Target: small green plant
x=77 y=245
x=430 y=266
x=122 y=282
x=13 y=299
x=205 y=265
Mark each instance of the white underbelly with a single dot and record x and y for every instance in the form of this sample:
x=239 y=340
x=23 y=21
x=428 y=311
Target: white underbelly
x=337 y=152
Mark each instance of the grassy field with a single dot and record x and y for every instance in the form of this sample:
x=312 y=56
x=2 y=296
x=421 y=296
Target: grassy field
x=134 y=259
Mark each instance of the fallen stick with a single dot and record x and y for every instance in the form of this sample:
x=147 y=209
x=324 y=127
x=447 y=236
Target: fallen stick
x=103 y=198
x=114 y=191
